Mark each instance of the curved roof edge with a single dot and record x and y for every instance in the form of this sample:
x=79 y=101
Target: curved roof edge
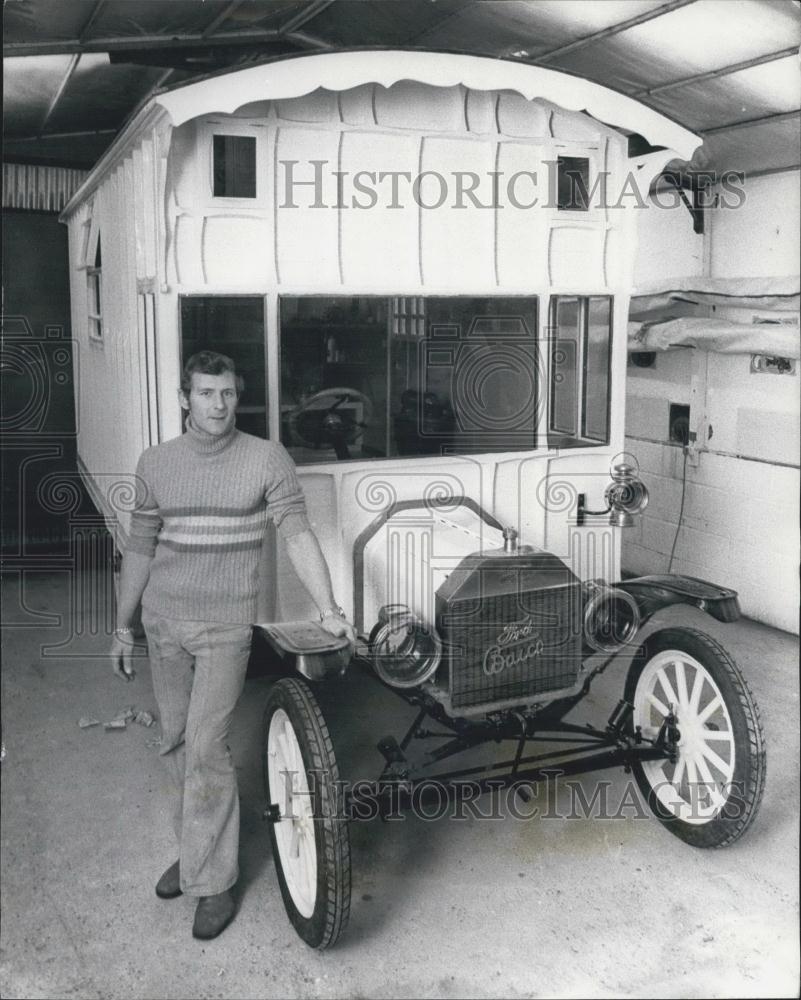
x=299 y=75
x=294 y=76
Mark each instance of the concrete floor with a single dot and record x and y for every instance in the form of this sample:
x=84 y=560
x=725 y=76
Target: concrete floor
x=550 y=907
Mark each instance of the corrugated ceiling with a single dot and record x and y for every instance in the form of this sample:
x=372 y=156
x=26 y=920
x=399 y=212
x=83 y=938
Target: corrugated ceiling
x=75 y=70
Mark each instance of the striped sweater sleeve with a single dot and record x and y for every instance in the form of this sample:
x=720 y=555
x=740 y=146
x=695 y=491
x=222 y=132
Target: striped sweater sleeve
x=286 y=504
x=146 y=519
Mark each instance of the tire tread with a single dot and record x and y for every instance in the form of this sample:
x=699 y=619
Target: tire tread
x=755 y=778
x=335 y=838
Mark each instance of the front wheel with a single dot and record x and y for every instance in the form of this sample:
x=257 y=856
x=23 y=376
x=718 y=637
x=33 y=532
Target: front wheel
x=308 y=832
x=710 y=794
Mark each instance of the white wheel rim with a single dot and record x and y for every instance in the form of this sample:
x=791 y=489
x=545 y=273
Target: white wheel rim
x=696 y=787
x=294 y=831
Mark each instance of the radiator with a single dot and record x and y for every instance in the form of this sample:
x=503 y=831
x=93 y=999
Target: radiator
x=511 y=628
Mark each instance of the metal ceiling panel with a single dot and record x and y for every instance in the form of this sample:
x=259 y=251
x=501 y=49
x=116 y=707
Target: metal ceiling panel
x=36 y=20
x=585 y=17
x=261 y=14
x=42 y=21
x=688 y=40
x=97 y=95
x=28 y=88
x=774 y=146
x=497 y=28
x=679 y=41
x=392 y=24
x=103 y=96
x=699 y=37
x=616 y=62
x=133 y=17
x=752 y=93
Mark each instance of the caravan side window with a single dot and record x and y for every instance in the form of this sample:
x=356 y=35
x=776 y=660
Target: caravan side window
x=379 y=377
x=580 y=332
x=93 y=278
x=91 y=263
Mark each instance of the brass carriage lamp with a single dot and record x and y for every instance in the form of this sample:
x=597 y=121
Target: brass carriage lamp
x=625 y=496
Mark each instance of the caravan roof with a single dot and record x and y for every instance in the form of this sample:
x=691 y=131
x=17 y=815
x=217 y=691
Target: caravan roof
x=337 y=71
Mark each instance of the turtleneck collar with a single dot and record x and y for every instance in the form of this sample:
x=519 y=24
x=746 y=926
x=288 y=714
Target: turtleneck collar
x=207 y=444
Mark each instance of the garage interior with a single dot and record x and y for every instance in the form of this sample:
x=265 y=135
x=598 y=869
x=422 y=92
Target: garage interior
x=556 y=905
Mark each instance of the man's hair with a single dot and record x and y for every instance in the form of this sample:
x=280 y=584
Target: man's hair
x=209 y=363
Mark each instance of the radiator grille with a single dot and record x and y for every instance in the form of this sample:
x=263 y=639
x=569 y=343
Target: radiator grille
x=512 y=645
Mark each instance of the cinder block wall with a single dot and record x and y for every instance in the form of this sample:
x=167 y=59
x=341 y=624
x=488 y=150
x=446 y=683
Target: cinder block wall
x=741 y=509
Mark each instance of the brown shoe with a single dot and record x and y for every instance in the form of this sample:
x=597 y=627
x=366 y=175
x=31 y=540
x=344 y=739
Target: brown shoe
x=213 y=915
x=169 y=885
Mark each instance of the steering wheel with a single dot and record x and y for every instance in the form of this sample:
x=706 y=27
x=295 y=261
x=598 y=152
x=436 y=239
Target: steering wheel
x=328 y=419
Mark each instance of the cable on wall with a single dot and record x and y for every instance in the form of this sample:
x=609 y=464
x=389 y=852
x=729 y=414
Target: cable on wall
x=685 y=449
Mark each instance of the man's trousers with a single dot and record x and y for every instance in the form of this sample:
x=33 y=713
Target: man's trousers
x=198 y=671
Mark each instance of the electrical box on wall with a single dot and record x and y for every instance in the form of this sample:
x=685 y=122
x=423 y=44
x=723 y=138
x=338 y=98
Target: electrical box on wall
x=679 y=423
x=762 y=364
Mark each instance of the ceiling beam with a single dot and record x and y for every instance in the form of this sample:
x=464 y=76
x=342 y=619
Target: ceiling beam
x=307 y=40
x=90 y=21
x=60 y=135
x=614 y=29
x=60 y=92
x=119 y=43
x=304 y=16
x=773 y=170
x=785 y=116
x=715 y=73
x=221 y=18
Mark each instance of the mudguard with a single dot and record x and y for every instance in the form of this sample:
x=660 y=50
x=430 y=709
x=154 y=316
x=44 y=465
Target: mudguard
x=316 y=651
x=652 y=593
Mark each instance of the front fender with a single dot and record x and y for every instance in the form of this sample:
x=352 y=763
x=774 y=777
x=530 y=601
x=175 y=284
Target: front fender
x=317 y=652
x=652 y=593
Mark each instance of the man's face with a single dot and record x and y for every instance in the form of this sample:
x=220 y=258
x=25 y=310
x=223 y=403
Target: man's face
x=212 y=402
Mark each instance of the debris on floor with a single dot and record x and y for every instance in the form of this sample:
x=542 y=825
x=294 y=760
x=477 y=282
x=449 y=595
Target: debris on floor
x=120 y=721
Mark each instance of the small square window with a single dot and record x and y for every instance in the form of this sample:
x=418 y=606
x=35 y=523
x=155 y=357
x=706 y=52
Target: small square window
x=234 y=166
x=573 y=184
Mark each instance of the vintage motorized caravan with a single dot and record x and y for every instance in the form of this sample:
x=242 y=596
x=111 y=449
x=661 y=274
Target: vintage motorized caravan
x=422 y=263
x=391 y=224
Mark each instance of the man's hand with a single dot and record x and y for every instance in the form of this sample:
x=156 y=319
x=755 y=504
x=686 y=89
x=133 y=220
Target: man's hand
x=121 y=654
x=340 y=627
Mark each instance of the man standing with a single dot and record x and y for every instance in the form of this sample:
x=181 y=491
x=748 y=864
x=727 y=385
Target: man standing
x=204 y=499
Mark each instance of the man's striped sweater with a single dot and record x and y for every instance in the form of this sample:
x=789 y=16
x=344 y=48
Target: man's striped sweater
x=203 y=503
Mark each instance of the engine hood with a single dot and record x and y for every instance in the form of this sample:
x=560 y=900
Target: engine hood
x=485 y=575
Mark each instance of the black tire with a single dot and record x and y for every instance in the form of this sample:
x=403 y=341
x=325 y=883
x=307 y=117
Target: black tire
x=317 y=902
x=721 y=743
